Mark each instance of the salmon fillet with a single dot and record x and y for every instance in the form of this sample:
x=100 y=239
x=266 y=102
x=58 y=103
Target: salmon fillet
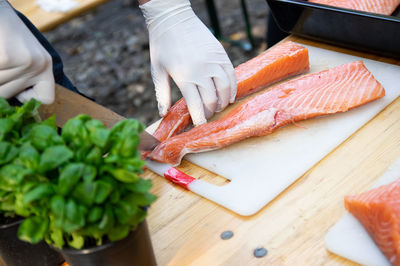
x=281 y=61
x=384 y=7
x=378 y=210
x=327 y=92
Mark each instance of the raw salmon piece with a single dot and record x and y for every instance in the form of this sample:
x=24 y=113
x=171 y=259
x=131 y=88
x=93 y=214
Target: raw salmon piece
x=281 y=61
x=327 y=92
x=384 y=7
x=378 y=210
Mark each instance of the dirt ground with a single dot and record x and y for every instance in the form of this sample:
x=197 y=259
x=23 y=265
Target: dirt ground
x=106 y=53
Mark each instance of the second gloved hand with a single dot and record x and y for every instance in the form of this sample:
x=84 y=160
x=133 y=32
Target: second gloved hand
x=24 y=63
x=183 y=48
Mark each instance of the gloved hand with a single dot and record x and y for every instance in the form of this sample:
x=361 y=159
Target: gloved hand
x=24 y=63
x=183 y=48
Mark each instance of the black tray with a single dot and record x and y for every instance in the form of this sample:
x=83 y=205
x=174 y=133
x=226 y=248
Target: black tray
x=358 y=30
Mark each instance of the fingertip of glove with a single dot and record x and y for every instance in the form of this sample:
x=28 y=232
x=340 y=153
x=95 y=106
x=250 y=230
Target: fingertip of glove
x=199 y=121
x=162 y=110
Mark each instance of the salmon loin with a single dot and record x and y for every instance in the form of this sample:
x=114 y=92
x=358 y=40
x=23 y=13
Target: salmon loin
x=326 y=92
x=279 y=62
x=378 y=210
x=384 y=7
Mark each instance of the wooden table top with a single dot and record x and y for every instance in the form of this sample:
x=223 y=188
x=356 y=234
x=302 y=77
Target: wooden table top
x=185 y=228
x=46 y=21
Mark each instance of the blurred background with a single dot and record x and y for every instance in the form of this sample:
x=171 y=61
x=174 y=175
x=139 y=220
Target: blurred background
x=106 y=51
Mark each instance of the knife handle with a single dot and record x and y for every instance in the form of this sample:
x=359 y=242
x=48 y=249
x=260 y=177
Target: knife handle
x=178 y=177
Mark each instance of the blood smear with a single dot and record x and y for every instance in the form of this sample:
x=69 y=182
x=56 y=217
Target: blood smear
x=56 y=5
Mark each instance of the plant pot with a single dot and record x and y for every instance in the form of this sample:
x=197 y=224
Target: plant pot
x=14 y=252
x=135 y=249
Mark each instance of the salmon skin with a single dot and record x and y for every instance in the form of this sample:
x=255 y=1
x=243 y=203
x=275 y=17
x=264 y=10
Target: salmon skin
x=327 y=92
x=378 y=210
x=385 y=7
x=281 y=61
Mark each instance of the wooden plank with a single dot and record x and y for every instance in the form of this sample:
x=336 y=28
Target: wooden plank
x=69 y=104
x=185 y=228
x=46 y=21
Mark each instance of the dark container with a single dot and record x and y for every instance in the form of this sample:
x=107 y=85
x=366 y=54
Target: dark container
x=14 y=252
x=135 y=249
x=358 y=30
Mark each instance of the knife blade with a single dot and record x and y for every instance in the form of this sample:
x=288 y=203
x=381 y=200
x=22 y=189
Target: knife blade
x=147 y=141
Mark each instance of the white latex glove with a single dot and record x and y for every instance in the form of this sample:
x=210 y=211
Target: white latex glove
x=24 y=63
x=183 y=48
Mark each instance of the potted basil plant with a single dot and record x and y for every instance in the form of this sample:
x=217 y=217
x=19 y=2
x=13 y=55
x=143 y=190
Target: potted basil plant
x=94 y=206
x=19 y=185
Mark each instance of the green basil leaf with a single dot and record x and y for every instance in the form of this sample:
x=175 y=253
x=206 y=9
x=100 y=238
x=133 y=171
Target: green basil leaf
x=85 y=193
x=26 y=113
x=57 y=207
x=57 y=238
x=141 y=186
x=98 y=133
x=124 y=211
x=108 y=220
x=103 y=189
x=33 y=229
x=51 y=122
x=28 y=185
x=95 y=214
x=137 y=199
x=69 y=177
x=38 y=192
x=115 y=196
x=89 y=173
x=75 y=216
x=118 y=232
x=132 y=164
x=7 y=152
x=111 y=158
x=94 y=157
x=75 y=133
x=29 y=156
x=53 y=157
x=138 y=217
x=7 y=202
x=125 y=137
x=43 y=136
x=19 y=206
x=5 y=107
x=12 y=175
x=77 y=241
x=80 y=153
x=6 y=125
x=123 y=175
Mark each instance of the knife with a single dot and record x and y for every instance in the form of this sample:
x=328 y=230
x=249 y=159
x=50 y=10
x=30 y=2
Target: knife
x=147 y=141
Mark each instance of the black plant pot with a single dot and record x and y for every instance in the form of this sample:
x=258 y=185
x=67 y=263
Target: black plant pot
x=14 y=252
x=135 y=249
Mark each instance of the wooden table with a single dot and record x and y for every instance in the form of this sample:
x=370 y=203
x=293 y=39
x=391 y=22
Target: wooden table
x=185 y=228
x=46 y=21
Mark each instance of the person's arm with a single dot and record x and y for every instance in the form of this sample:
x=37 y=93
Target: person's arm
x=183 y=48
x=25 y=66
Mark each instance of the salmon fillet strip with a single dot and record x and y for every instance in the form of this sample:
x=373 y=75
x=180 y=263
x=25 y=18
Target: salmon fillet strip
x=384 y=7
x=378 y=210
x=327 y=92
x=281 y=61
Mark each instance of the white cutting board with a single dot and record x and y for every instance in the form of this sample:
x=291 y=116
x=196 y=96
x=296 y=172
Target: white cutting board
x=261 y=168
x=348 y=237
